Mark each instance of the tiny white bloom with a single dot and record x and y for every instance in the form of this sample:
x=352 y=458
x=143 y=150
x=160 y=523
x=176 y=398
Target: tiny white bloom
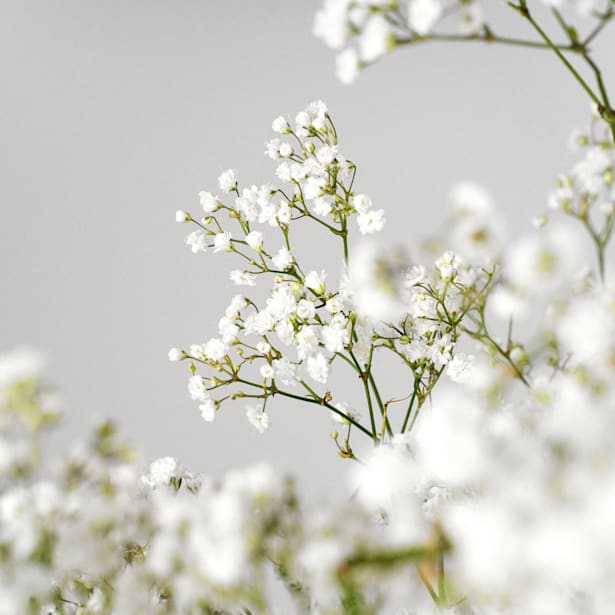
x=460 y=368
x=255 y=240
x=376 y=38
x=258 y=418
x=347 y=66
x=242 y=278
x=423 y=15
x=263 y=347
x=208 y=201
x=215 y=349
x=361 y=202
x=326 y=154
x=266 y=371
x=227 y=180
x=318 y=368
x=222 y=242
x=175 y=354
x=322 y=206
x=306 y=309
x=161 y=471
x=197 y=388
x=182 y=216
x=280 y=125
x=197 y=240
x=208 y=410
x=371 y=221
x=283 y=259
x=316 y=281
x=237 y=304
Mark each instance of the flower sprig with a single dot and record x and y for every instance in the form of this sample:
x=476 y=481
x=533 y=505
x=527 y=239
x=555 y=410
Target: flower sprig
x=288 y=346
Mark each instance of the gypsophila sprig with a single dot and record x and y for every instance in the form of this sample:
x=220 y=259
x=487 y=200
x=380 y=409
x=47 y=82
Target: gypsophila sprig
x=307 y=328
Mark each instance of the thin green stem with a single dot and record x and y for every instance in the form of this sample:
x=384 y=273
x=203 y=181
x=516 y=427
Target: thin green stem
x=410 y=405
x=488 y=37
x=524 y=12
x=604 y=20
x=311 y=400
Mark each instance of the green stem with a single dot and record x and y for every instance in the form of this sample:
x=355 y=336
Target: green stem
x=601 y=24
x=410 y=405
x=316 y=400
x=482 y=38
x=524 y=12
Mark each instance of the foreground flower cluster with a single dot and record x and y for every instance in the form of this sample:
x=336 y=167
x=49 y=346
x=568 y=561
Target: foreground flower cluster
x=90 y=534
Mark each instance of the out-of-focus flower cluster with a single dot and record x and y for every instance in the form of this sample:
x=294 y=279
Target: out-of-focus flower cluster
x=90 y=535
x=364 y=31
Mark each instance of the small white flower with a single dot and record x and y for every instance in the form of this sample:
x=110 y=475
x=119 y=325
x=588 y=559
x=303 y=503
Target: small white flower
x=471 y=18
x=266 y=371
x=303 y=120
x=423 y=15
x=361 y=202
x=318 y=368
x=197 y=388
x=263 y=348
x=371 y=221
x=182 y=216
x=258 y=418
x=326 y=154
x=316 y=281
x=376 y=38
x=347 y=66
x=175 y=354
x=322 y=206
x=222 y=242
x=227 y=180
x=208 y=201
x=285 y=371
x=208 y=410
x=255 y=240
x=334 y=305
x=280 y=125
x=197 y=240
x=306 y=309
x=215 y=349
x=237 y=304
x=242 y=278
x=460 y=368
x=283 y=259
x=285 y=150
x=161 y=472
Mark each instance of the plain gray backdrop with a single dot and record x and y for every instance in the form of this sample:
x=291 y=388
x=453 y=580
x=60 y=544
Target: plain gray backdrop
x=116 y=113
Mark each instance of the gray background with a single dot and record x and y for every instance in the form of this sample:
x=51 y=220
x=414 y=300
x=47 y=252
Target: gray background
x=115 y=113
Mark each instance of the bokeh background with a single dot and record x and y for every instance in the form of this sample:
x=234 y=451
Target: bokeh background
x=114 y=114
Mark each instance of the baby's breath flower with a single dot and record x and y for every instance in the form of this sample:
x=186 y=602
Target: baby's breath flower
x=423 y=15
x=258 y=418
x=227 y=180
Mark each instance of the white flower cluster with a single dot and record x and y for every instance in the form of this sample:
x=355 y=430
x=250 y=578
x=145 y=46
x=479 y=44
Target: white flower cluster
x=587 y=192
x=383 y=303
x=90 y=536
x=364 y=31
